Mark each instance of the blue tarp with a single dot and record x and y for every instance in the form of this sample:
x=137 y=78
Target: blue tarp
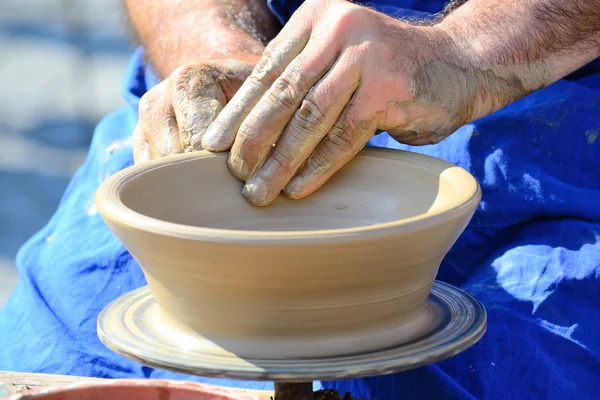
x=531 y=254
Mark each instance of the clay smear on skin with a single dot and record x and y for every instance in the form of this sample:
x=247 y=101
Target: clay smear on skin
x=457 y=96
x=200 y=97
x=222 y=133
x=259 y=147
x=245 y=101
x=479 y=91
x=473 y=92
x=306 y=131
x=241 y=17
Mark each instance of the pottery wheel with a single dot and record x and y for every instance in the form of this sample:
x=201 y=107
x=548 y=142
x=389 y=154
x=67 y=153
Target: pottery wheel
x=128 y=326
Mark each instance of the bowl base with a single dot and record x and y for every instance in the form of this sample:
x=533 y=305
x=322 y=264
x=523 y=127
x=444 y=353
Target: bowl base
x=134 y=327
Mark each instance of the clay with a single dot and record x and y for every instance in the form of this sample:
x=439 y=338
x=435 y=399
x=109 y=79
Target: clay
x=354 y=259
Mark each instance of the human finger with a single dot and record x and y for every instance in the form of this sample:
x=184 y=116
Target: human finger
x=197 y=99
x=348 y=136
x=319 y=110
x=265 y=123
x=157 y=122
x=141 y=148
x=276 y=57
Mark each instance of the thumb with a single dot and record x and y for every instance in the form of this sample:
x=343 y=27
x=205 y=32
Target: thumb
x=199 y=94
x=231 y=74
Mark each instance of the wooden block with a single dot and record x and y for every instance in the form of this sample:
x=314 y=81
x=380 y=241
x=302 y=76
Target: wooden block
x=17 y=382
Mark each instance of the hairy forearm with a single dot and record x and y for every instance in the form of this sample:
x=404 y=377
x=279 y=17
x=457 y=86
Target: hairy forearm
x=564 y=34
x=514 y=47
x=175 y=32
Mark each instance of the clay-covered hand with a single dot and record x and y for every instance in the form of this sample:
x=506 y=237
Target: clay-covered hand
x=175 y=114
x=335 y=75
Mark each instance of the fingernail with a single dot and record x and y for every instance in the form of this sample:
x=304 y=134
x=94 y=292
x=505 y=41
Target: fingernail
x=238 y=167
x=256 y=190
x=293 y=188
x=210 y=140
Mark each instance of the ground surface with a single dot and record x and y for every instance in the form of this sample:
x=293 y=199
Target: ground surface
x=61 y=63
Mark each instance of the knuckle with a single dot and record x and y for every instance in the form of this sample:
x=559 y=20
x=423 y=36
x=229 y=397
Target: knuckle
x=299 y=75
x=349 y=17
x=181 y=75
x=342 y=139
x=284 y=93
x=193 y=80
x=309 y=116
x=363 y=50
x=265 y=70
x=185 y=72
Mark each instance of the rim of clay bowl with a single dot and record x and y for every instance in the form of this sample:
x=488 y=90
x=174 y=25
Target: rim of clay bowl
x=111 y=208
x=220 y=392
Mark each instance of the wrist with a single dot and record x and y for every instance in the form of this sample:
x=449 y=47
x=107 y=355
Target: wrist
x=550 y=38
x=479 y=71
x=445 y=75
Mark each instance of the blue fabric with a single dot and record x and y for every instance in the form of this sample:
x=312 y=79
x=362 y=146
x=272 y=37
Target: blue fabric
x=531 y=254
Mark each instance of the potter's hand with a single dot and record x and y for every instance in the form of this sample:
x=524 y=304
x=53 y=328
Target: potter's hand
x=174 y=115
x=336 y=74
x=339 y=72
x=202 y=50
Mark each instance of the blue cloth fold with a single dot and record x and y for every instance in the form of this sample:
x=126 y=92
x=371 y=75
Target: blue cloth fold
x=531 y=254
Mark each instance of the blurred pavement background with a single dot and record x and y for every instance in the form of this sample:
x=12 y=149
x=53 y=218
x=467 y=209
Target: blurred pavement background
x=61 y=63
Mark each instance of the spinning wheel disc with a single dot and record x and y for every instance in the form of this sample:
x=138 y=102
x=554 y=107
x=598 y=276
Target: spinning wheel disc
x=131 y=326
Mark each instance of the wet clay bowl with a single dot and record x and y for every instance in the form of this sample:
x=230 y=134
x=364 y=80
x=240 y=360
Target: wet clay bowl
x=346 y=269
x=132 y=389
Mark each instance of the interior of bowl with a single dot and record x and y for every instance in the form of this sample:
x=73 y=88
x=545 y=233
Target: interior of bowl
x=377 y=186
